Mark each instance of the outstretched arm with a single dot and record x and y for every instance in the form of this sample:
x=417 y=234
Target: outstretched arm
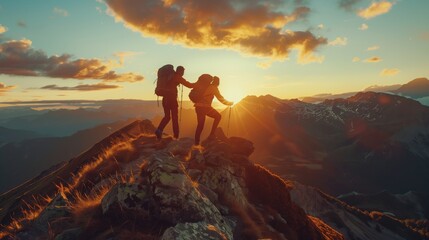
x=221 y=98
x=183 y=81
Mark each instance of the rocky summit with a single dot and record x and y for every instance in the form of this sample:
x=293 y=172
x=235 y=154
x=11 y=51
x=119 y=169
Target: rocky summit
x=131 y=186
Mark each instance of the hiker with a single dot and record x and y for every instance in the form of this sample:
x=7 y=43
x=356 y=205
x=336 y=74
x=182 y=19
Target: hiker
x=169 y=100
x=203 y=106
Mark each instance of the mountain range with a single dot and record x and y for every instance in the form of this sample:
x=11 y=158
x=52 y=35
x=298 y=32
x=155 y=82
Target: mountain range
x=417 y=89
x=368 y=143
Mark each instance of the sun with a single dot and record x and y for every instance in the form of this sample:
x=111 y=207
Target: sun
x=233 y=92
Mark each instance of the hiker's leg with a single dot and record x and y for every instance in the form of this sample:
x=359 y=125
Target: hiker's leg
x=167 y=112
x=216 y=120
x=175 y=121
x=201 y=118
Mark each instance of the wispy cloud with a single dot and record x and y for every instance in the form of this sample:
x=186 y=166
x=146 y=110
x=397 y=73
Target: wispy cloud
x=356 y=59
x=348 y=5
x=126 y=54
x=389 y=72
x=363 y=27
x=375 y=9
x=424 y=36
x=373 y=48
x=21 y=24
x=82 y=87
x=4 y=88
x=265 y=64
x=60 y=12
x=339 y=41
x=3 y=29
x=246 y=26
x=17 y=57
x=373 y=60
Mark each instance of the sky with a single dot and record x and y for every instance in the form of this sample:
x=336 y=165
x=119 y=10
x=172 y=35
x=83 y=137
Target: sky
x=111 y=49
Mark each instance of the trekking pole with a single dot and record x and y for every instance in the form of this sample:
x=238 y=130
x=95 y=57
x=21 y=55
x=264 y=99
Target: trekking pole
x=229 y=120
x=181 y=103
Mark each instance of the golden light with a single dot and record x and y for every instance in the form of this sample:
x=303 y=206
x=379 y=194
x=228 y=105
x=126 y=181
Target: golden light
x=232 y=91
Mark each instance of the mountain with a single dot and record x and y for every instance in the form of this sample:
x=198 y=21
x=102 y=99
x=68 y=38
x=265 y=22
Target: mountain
x=13 y=135
x=130 y=185
x=417 y=88
x=367 y=143
x=20 y=161
x=61 y=122
x=411 y=205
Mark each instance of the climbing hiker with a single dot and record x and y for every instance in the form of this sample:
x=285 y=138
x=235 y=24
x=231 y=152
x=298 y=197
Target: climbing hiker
x=205 y=89
x=167 y=83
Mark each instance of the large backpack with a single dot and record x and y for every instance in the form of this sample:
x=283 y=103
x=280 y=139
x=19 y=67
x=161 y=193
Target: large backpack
x=197 y=93
x=165 y=76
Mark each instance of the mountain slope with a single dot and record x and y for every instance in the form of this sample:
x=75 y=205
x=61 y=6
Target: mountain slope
x=417 y=88
x=14 y=135
x=131 y=186
x=24 y=160
x=165 y=189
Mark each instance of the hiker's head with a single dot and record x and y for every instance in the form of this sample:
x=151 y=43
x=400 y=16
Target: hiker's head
x=180 y=70
x=215 y=81
x=205 y=79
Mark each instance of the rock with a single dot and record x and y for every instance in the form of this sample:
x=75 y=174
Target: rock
x=194 y=174
x=195 y=231
x=69 y=234
x=241 y=146
x=125 y=198
x=48 y=218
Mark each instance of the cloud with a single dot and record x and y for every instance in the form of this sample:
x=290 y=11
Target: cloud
x=375 y=9
x=83 y=87
x=424 y=36
x=3 y=29
x=251 y=27
x=348 y=5
x=373 y=60
x=363 y=27
x=373 y=48
x=4 y=88
x=60 y=12
x=123 y=55
x=356 y=59
x=18 y=58
x=21 y=24
x=320 y=26
x=389 y=72
x=339 y=41
x=265 y=64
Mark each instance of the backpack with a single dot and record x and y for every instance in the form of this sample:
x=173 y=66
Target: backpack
x=197 y=93
x=165 y=75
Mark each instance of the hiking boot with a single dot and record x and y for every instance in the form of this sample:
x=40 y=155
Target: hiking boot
x=158 y=134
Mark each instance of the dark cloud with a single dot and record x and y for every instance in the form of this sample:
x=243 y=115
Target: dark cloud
x=83 y=87
x=18 y=58
x=349 y=5
x=253 y=27
x=4 y=88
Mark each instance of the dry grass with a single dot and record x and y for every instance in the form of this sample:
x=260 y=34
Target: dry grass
x=81 y=204
x=28 y=213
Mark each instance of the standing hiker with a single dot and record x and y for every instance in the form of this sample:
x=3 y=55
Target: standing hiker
x=167 y=83
x=206 y=88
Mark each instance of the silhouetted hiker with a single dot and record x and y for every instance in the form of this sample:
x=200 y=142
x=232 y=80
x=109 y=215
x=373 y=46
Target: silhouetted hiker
x=206 y=88
x=167 y=88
